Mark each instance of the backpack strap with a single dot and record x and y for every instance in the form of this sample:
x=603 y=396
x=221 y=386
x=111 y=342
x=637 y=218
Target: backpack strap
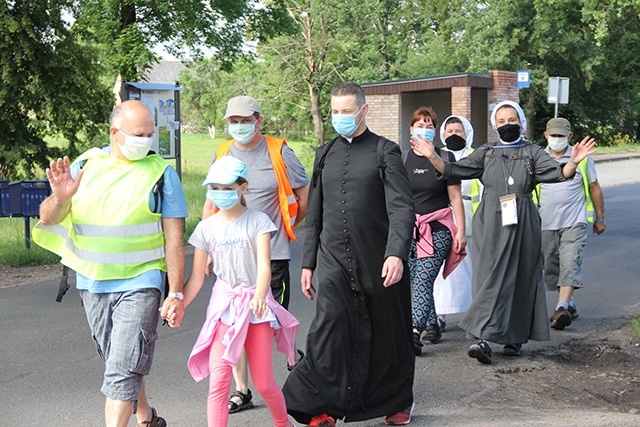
x=405 y=155
x=317 y=171
x=382 y=165
x=157 y=194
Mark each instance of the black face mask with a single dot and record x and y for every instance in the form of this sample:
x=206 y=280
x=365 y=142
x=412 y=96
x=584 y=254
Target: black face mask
x=509 y=133
x=455 y=142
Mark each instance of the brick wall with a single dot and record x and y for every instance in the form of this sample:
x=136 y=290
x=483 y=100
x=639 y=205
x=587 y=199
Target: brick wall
x=504 y=89
x=385 y=110
x=461 y=101
x=384 y=115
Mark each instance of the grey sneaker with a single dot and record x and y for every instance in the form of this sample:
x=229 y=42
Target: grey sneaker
x=512 y=350
x=573 y=312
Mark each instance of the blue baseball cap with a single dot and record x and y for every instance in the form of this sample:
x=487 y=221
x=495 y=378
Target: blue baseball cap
x=225 y=171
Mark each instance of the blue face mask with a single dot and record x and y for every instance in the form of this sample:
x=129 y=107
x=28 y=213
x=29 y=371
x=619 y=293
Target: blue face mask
x=427 y=134
x=345 y=124
x=224 y=199
x=242 y=132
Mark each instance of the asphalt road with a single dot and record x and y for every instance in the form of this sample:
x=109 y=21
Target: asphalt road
x=50 y=374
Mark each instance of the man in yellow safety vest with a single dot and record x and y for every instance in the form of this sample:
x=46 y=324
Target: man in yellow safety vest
x=116 y=217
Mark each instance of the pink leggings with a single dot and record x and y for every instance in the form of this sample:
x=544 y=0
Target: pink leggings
x=258 y=347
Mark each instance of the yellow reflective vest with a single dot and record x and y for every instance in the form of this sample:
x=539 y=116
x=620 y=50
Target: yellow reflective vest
x=110 y=232
x=591 y=211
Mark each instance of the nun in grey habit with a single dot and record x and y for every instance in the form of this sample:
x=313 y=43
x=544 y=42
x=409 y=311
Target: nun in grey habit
x=509 y=305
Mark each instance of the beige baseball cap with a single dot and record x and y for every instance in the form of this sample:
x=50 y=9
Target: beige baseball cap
x=558 y=126
x=243 y=106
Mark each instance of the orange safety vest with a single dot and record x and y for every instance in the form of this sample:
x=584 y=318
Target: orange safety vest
x=286 y=197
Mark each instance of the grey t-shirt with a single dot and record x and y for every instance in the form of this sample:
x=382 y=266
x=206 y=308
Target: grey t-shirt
x=562 y=204
x=262 y=194
x=232 y=245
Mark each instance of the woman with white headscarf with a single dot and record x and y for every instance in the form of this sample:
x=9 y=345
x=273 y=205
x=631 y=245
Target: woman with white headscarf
x=453 y=294
x=509 y=304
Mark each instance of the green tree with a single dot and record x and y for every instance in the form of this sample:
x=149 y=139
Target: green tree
x=594 y=43
x=203 y=95
x=128 y=30
x=49 y=86
x=303 y=62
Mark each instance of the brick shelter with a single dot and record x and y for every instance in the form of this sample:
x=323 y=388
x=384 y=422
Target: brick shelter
x=391 y=103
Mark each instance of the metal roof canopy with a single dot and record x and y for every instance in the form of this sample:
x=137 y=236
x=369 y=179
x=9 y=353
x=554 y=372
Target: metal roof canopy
x=154 y=86
x=445 y=81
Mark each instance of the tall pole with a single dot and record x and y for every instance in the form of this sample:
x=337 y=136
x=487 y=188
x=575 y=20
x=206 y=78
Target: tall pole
x=557 y=95
x=177 y=132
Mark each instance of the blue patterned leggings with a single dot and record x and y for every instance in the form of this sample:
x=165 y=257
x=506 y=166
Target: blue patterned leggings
x=423 y=272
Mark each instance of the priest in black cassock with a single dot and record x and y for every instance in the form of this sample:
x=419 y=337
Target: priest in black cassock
x=360 y=360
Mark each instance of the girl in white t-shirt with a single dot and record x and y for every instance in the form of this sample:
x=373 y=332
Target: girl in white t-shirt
x=242 y=312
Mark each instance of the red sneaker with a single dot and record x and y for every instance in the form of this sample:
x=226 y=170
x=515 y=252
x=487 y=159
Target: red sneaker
x=400 y=418
x=322 y=420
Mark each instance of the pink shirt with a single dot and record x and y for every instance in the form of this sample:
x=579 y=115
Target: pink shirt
x=234 y=339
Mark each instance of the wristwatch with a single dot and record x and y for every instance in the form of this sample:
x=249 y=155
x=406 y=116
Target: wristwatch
x=178 y=295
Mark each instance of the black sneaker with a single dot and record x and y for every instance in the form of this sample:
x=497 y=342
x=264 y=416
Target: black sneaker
x=481 y=351
x=561 y=318
x=573 y=312
x=443 y=325
x=433 y=334
x=301 y=356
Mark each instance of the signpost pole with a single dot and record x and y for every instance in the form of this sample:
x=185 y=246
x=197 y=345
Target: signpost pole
x=177 y=133
x=557 y=96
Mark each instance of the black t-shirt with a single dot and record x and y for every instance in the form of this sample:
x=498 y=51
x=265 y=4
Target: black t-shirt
x=429 y=193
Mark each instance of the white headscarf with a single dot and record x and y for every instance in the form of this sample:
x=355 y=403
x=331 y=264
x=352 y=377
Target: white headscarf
x=468 y=130
x=521 y=116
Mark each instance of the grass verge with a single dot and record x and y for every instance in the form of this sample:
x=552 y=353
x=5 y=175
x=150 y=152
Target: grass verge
x=197 y=151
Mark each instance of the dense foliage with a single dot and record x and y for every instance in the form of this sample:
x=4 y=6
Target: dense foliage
x=594 y=43
x=60 y=58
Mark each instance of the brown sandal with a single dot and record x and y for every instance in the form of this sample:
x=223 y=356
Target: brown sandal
x=156 y=421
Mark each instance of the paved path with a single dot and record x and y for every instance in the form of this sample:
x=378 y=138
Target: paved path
x=50 y=374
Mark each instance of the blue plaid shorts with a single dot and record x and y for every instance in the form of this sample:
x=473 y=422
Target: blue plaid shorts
x=123 y=326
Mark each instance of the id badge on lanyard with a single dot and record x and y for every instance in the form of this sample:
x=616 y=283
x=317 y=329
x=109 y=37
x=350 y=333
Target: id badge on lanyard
x=508 y=203
x=509 y=210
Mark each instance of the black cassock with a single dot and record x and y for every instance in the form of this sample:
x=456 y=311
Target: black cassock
x=360 y=360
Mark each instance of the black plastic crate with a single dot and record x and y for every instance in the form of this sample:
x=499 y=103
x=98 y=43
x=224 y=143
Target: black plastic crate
x=5 y=206
x=26 y=196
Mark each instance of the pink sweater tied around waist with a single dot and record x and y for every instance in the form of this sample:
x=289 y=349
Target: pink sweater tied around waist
x=234 y=339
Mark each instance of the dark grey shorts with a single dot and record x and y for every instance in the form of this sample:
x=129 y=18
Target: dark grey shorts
x=123 y=325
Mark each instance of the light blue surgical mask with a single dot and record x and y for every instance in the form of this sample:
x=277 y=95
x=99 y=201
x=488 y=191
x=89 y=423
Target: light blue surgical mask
x=224 y=199
x=242 y=132
x=428 y=134
x=345 y=124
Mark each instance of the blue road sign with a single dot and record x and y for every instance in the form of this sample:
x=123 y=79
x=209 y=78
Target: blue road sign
x=523 y=78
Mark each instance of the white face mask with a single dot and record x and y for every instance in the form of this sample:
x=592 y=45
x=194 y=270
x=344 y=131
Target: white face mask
x=135 y=147
x=558 y=143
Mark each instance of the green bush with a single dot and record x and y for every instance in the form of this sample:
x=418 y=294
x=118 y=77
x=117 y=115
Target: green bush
x=13 y=250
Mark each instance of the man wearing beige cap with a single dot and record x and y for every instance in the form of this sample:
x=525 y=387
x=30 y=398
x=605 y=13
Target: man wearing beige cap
x=278 y=187
x=566 y=208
